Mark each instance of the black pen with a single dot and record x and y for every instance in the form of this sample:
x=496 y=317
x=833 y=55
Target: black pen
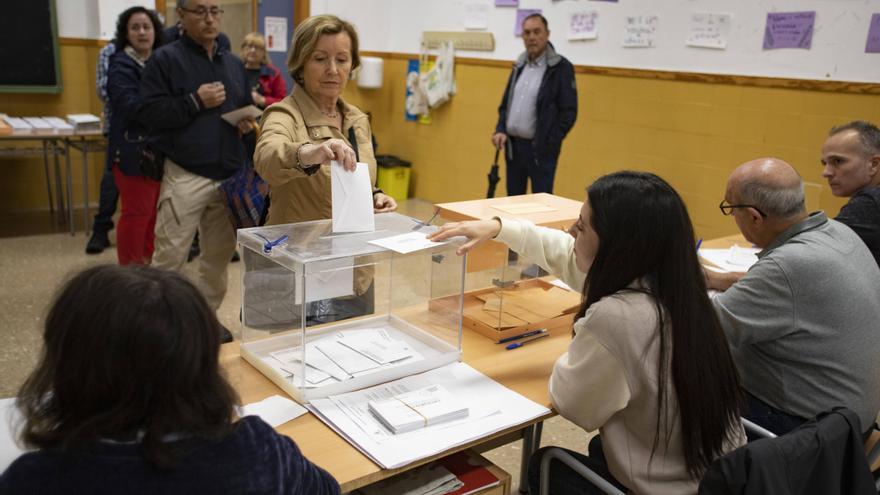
x=522 y=336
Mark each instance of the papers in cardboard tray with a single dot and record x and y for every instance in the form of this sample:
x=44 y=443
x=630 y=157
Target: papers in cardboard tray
x=406 y=243
x=492 y=408
x=410 y=411
x=235 y=116
x=352 y=195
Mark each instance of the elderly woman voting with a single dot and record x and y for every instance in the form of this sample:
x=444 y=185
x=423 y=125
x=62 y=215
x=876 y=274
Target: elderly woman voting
x=302 y=133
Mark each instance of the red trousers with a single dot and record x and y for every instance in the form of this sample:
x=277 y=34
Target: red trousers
x=135 y=231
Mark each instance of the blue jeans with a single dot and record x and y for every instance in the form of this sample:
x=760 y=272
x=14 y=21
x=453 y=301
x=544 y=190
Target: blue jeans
x=523 y=165
x=106 y=204
x=564 y=480
x=770 y=418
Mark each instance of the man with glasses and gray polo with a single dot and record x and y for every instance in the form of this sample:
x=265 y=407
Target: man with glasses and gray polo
x=186 y=86
x=802 y=322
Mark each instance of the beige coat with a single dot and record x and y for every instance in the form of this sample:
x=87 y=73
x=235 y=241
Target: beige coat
x=288 y=124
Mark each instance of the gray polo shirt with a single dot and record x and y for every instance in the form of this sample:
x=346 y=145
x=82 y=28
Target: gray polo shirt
x=804 y=323
x=523 y=111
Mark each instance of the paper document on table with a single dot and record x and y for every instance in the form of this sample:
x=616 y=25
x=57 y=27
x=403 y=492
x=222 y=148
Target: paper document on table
x=235 y=116
x=275 y=410
x=406 y=243
x=348 y=415
x=352 y=195
x=734 y=259
x=524 y=208
x=349 y=360
x=376 y=344
x=420 y=408
x=562 y=285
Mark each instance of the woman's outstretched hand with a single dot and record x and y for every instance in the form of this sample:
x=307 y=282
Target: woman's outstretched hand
x=476 y=232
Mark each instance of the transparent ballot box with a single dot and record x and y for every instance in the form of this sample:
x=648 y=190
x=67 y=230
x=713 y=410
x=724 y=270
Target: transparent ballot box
x=507 y=295
x=326 y=313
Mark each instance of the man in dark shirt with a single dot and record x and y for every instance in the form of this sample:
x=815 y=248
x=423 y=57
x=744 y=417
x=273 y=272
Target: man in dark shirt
x=186 y=86
x=851 y=157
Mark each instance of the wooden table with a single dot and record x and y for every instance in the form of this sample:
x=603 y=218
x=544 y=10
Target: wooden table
x=526 y=371
x=491 y=254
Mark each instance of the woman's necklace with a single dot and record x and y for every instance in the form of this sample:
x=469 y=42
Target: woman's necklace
x=333 y=114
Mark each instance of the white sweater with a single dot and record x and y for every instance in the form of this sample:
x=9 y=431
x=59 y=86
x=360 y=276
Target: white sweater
x=608 y=378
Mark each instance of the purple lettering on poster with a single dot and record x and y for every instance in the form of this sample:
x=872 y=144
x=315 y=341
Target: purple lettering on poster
x=506 y=3
x=789 y=30
x=873 y=44
x=521 y=15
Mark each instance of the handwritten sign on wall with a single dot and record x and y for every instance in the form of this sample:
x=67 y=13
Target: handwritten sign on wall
x=709 y=30
x=789 y=30
x=583 y=26
x=639 y=31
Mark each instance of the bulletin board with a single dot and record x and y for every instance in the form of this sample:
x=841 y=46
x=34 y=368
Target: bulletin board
x=835 y=51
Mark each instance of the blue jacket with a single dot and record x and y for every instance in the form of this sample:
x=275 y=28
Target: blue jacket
x=194 y=137
x=557 y=105
x=127 y=135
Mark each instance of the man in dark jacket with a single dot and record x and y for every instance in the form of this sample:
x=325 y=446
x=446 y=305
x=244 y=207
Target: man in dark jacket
x=187 y=85
x=538 y=109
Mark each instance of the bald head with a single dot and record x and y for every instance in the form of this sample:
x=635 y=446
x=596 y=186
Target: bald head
x=769 y=184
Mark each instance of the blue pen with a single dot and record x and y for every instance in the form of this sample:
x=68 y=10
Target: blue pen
x=267 y=247
x=522 y=336
x=525 y=341
x=699 y=241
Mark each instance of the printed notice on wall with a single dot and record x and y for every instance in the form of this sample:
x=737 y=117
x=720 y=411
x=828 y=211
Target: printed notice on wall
x=873 y=43
x=276 y=34
x=639 y=31
x=789 y=30
x=709 y=30
x=583 y=26
x=476 y=14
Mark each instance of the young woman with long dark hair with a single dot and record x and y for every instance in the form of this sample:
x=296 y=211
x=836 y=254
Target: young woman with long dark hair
x=128 y=397
x=649 y=366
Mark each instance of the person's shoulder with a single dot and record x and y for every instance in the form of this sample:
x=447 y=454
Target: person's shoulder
x=28 y=470
x=628 y=304
x=167 y=51
x=869 y=196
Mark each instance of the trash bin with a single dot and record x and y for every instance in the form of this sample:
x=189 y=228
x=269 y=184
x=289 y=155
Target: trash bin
x=393 y=176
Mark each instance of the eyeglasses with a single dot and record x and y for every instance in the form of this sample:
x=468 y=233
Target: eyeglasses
x=728 y=209
x=202 y=12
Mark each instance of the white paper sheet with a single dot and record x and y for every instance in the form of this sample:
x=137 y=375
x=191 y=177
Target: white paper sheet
x=472 y=386
x=377 y=345
x=406 y=243
x=275 y=410
x=10 y=420
x=235 y=116
x=583 y=25
x=733 y=259
x=476 y=14
x=640 y=31
x=351 y=361
x=328 y=280
x=709 y=30
x=561 y=285
x=352 y=199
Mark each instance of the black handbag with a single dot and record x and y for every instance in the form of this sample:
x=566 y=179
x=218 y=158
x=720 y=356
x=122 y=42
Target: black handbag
x=152 y=162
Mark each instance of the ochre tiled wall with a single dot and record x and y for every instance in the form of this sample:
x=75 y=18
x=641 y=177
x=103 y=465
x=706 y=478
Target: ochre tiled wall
x=692 y=134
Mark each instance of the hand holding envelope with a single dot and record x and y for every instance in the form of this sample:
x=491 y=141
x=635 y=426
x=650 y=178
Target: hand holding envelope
x=352 y=199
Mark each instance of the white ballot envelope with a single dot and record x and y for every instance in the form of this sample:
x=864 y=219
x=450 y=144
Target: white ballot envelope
x=328 y=279
x=235 y=116
x=352 y=199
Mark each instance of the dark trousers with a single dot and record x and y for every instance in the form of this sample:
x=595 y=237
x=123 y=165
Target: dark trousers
x=770 y=418
x=564 y=480
x=523 y=165
x=106 y=204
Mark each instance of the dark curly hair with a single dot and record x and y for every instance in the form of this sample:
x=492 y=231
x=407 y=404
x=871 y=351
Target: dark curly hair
x=121 y=39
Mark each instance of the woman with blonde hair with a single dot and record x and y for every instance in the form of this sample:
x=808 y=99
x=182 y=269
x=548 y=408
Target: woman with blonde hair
x=302 y=133
x=265 y=80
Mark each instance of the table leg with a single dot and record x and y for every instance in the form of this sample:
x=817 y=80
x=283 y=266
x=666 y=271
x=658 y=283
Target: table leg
x=527 y=449
x=86 y=187
x=59 y=195
x=48 y=182
x=69 y=176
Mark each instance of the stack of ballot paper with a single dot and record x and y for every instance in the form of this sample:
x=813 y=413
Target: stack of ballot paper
x=83 y=122
x=417 y=409
x=342 y=356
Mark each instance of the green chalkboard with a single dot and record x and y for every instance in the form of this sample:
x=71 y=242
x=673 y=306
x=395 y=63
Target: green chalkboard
x=29 y=53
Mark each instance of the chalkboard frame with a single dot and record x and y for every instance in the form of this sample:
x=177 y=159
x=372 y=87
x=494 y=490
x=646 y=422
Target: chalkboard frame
x=54 y=88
